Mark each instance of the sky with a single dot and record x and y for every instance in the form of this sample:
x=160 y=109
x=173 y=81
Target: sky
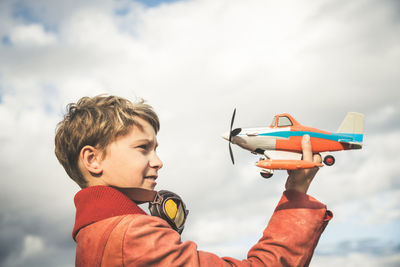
x=195 y=61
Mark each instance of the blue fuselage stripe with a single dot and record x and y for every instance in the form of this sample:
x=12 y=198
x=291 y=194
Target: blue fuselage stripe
x=345 y=137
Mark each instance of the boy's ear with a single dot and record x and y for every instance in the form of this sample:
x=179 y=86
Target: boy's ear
x=91 y=159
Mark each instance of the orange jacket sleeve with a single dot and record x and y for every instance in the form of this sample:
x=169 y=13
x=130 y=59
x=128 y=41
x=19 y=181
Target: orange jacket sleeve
x=289 y=239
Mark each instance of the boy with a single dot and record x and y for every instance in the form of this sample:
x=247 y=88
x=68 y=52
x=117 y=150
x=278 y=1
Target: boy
x=107 y=144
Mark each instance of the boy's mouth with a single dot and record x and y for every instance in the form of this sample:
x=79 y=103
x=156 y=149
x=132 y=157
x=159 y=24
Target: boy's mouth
x=152 y=179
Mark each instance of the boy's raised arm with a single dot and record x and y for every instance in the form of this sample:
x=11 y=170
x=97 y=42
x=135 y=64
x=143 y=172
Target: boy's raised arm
x=289 y=239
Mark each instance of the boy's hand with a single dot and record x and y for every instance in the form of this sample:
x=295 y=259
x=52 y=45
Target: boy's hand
x=301 y=179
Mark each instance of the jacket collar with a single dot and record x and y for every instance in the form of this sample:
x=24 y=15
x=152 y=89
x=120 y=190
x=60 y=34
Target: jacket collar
x=97 y=203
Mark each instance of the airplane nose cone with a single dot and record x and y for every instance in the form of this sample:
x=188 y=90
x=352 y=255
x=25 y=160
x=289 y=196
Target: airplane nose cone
x=226 y=136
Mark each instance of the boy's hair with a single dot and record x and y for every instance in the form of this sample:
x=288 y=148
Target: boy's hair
x=97 y=121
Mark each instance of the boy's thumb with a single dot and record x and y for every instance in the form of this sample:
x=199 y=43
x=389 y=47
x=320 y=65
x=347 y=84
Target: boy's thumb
x=306 y=147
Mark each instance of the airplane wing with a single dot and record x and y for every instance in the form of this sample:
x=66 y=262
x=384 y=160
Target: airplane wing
x=290 y=164
x=283 y=160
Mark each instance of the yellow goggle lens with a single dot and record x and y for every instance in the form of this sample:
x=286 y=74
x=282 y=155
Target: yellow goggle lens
x=171 y=208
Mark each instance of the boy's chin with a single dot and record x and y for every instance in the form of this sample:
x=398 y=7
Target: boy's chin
x=149 y=184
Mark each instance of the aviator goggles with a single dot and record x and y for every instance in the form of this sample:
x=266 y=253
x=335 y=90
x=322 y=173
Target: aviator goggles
x=163 y=204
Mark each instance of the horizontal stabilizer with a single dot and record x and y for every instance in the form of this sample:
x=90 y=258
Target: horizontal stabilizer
x=352 y=145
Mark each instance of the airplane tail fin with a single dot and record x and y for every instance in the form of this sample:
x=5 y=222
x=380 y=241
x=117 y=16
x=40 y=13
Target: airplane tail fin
x=353 y=123
x=353 y=127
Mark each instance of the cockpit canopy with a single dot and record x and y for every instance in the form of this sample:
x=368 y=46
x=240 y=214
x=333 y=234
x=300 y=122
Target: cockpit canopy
x=283 y=121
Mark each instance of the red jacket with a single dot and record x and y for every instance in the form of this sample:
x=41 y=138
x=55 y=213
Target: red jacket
x=111 y=230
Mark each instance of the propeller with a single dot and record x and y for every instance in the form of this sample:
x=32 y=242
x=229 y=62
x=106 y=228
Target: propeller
x=233 y=133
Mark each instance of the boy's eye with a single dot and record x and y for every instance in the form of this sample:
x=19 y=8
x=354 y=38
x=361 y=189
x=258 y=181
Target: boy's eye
x=144 y=147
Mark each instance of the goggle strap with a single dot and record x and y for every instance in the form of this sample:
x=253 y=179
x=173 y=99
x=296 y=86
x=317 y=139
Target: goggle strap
x=140 y=195
x=157 y=199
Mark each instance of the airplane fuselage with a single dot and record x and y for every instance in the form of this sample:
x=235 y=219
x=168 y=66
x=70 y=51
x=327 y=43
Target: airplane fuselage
x=289 y=139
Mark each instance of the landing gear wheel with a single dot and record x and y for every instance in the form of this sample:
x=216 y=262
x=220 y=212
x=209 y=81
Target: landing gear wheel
x=266 y=175
x=329 y=160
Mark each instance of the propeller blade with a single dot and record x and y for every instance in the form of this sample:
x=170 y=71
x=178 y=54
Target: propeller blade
x=233 y=119
x=231 y=153
x=232 y=134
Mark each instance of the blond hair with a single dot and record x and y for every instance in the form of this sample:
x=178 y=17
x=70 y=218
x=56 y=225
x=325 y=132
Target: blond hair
x=97 y=121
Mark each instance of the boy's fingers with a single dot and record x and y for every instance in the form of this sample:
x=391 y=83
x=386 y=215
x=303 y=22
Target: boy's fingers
x=306 y=147
x=317 y=158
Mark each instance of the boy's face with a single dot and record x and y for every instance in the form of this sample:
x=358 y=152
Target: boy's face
x=131 y=160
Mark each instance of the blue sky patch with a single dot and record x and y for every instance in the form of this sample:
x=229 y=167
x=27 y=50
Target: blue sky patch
x=24 y=12
x=5 y=40
x=153 y=3
x=124 y=10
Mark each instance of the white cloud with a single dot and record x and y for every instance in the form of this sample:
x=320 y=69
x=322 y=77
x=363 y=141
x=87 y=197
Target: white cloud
x=356 y=259
x=33 y=245
x=195 y=61
x=31 y=35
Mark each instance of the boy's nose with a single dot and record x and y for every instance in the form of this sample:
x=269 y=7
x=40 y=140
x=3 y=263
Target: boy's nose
x=156 y=162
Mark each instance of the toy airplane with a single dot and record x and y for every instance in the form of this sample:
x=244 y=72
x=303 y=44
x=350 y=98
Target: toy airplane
x=280 y=143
